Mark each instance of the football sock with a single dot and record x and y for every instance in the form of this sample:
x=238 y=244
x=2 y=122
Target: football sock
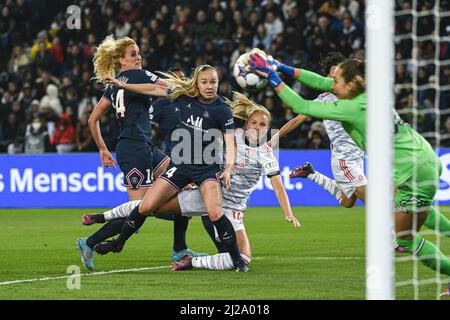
x=220 y=261
x=122 y=211
x=209 y=227
x=165 y=216
x=227 y=236
x=132 y=223
x=108 y=230
x=428 y=253
x=437 y=219
x=180 y=224
x=326 y=183
x=98 y=218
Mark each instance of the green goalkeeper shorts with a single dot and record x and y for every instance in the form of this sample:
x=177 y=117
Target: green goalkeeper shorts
x=417 y=197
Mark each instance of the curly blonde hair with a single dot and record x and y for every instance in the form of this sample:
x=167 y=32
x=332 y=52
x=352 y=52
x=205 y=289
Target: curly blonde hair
x=188 y=86
x=244 y=108
x=107 y=54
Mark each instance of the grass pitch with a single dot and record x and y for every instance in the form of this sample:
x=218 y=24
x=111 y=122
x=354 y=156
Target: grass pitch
x=324 y=259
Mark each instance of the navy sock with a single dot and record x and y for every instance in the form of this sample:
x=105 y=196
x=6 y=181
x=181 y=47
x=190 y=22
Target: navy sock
x=108 y=230
x=165 y=216
x=180 y=224
x=134 y=221
x=98 y=218
x=209 y=227
x=227 y=236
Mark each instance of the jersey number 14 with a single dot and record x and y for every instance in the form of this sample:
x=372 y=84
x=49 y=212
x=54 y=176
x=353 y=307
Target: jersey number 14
x=119 y=104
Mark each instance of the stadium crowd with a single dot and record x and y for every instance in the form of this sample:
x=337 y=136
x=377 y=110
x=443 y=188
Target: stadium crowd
x=47 y=91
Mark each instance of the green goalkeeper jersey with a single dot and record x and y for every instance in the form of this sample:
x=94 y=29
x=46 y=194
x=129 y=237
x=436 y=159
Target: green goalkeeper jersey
x=409 y=147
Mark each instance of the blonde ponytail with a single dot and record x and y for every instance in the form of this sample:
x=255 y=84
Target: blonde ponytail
x=244 y=108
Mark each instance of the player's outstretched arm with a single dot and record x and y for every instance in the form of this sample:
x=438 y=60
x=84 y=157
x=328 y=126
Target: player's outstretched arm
x=342 y=110
x=305 y=77
x=148 y=89
x=283 y=200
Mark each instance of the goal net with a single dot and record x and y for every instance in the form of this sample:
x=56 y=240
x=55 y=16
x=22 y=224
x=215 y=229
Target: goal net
x=422 y=92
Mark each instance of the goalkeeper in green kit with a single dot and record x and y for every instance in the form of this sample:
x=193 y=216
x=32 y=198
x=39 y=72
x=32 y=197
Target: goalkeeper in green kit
x=415 y=162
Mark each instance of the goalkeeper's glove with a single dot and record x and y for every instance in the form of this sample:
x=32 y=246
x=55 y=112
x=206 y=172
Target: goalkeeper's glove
x=278 y=66
x=264 y=68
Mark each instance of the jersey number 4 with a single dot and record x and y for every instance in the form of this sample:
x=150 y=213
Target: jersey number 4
x=119 y=104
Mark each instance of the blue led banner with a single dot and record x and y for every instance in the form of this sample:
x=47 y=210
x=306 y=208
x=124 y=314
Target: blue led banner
x=79 y=181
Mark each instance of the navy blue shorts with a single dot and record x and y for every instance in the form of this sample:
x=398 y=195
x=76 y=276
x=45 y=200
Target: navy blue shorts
x=158 y=158
x=135 y=159
x=178 y=176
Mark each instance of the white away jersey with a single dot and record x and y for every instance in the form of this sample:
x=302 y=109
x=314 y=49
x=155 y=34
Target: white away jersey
x=342 y=145
x=251 y=163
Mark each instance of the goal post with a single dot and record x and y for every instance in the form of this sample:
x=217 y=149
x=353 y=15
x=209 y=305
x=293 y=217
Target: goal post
x=379 y=124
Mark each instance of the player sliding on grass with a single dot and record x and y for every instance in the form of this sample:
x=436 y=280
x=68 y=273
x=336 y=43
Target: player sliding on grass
x=253 y=159
x=348 y=83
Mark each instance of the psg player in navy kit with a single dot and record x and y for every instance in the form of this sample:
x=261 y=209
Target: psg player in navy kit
x=202 y=112
x=137 y=157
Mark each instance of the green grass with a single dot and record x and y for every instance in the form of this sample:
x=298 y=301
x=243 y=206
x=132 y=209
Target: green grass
x=322 y=260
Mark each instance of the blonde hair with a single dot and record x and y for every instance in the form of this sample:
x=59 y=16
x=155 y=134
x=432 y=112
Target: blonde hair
x=107 y=54
x=185 y=87
x=244 y=108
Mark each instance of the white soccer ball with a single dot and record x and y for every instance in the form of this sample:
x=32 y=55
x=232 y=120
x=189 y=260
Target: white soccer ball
x=245 y=79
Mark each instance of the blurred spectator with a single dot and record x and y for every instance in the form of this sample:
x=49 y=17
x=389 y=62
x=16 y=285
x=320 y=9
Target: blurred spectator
x=274 y=26
x=51 y=99
x=36 y=137
x=13 y=135
x=287 y=7
x=33 y=111
x=26 y=96
x=350 y=5
x=18 y=59
x=43 y=58
x=317 y=137
x=351 y=32
x=64 y=137
x=85 y=141
x=261 y=39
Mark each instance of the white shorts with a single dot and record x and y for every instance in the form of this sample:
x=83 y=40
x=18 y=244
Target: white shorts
x=348 y=174
x=191 y=204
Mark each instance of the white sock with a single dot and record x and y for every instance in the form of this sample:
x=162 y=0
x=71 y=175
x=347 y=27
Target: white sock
x=122 y=211
x=220 y=261
x=326 y=183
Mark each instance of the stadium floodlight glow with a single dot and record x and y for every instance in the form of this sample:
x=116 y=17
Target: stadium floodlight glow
x=379 y=119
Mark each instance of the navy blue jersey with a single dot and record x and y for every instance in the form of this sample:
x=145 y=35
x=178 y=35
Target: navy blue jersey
x=132 y=108
x=202 y=126
x=166 y=115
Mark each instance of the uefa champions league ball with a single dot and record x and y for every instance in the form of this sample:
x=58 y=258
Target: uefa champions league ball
x=245 y=79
